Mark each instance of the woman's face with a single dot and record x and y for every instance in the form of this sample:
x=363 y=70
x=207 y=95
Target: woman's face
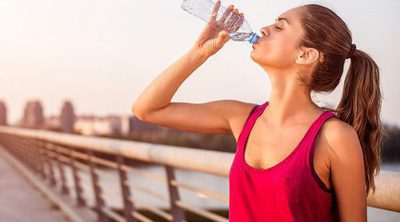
x=278 y=45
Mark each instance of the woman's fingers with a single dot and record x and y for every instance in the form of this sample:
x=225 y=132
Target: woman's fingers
x=238 y=23
x=215 y=11
x=232 y=20
x=221 y=21
x=213 y=38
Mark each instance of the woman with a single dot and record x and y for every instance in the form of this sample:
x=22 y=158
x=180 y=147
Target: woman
x=293 y=162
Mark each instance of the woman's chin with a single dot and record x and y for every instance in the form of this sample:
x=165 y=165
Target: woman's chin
x=260 y=60
x=254 y=56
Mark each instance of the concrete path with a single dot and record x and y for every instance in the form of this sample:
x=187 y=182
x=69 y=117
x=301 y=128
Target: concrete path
x=20 y=201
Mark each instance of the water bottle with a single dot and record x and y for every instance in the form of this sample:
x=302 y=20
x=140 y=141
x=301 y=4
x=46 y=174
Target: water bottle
x=204 y=8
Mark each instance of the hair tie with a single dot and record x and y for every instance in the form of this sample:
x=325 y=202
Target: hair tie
x=352 y=50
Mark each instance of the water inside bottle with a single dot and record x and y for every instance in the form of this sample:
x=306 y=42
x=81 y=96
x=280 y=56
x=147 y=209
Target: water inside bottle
x=245 y=36
x=240 y=36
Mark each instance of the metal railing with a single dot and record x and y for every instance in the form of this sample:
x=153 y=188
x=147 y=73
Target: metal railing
x=51 y=154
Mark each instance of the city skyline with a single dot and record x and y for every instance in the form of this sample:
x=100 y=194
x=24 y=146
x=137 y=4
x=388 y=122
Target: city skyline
x=102 y=55
x=32 y=116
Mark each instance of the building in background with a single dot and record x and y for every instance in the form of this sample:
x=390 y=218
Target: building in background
x=33 y=115
x=3 y=113
x=92 y=125
x=113 y=124
x=126 y=124
x=68 y=122
x=67 y=117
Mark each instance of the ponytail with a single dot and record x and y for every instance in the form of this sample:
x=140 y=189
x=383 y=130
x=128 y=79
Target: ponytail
x=360 y=106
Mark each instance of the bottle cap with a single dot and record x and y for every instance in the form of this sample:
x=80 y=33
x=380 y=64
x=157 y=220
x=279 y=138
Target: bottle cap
x=254 y=38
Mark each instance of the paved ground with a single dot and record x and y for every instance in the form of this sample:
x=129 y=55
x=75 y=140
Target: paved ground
x=20 y=201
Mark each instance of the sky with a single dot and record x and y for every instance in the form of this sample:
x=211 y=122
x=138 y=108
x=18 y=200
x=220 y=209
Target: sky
x=102 y=54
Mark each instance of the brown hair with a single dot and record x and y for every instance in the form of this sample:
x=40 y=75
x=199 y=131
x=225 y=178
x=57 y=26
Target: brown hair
x=360 y=104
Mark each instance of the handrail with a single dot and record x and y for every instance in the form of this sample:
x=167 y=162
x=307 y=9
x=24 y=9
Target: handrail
x=42 y=149
x=206 y=161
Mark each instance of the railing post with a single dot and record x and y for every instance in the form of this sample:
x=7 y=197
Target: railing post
x=125 y=189
x=42 y=163
x=60 y=165
x=178 y=213
x=28 y=152
x=49 y=164
x=26 y=147
x=77 y=180
x=36 y=156
x=21 y=152
x=100 y=203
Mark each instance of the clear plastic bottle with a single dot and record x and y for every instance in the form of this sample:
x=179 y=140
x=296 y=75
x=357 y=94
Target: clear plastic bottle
x=204 y=8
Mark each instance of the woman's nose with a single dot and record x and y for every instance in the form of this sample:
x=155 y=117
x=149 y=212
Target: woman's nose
x=264 y=31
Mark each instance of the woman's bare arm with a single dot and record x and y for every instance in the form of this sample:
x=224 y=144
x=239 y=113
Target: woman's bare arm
x=210 y=117
x=348 y=174
x=154 y=104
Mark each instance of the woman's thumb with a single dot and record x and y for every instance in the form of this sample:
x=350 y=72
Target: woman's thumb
x=223 y=37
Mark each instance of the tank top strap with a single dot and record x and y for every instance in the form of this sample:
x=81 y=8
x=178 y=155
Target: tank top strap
x=251 y=119
x=315 y=128
x=314 y=132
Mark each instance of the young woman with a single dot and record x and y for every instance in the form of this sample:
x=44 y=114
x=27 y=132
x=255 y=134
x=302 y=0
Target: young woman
x=293 y=162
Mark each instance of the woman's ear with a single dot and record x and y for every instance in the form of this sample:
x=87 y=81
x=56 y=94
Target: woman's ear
x=307 y=56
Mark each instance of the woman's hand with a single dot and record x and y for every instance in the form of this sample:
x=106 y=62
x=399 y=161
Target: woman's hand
x=216 y=33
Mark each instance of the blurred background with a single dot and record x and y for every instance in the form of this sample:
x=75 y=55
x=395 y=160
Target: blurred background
x=78 y=66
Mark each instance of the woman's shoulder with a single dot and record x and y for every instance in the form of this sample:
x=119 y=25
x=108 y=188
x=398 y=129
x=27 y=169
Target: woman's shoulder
x=241 y=112
x=340 y=137
x=336 y=128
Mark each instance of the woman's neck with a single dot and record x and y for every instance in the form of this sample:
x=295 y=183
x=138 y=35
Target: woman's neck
x=290 y=101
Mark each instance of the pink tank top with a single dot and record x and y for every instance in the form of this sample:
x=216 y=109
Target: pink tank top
x=289 y=191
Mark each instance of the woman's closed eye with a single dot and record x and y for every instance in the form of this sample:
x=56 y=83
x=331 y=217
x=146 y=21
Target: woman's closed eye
x=278 y=28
